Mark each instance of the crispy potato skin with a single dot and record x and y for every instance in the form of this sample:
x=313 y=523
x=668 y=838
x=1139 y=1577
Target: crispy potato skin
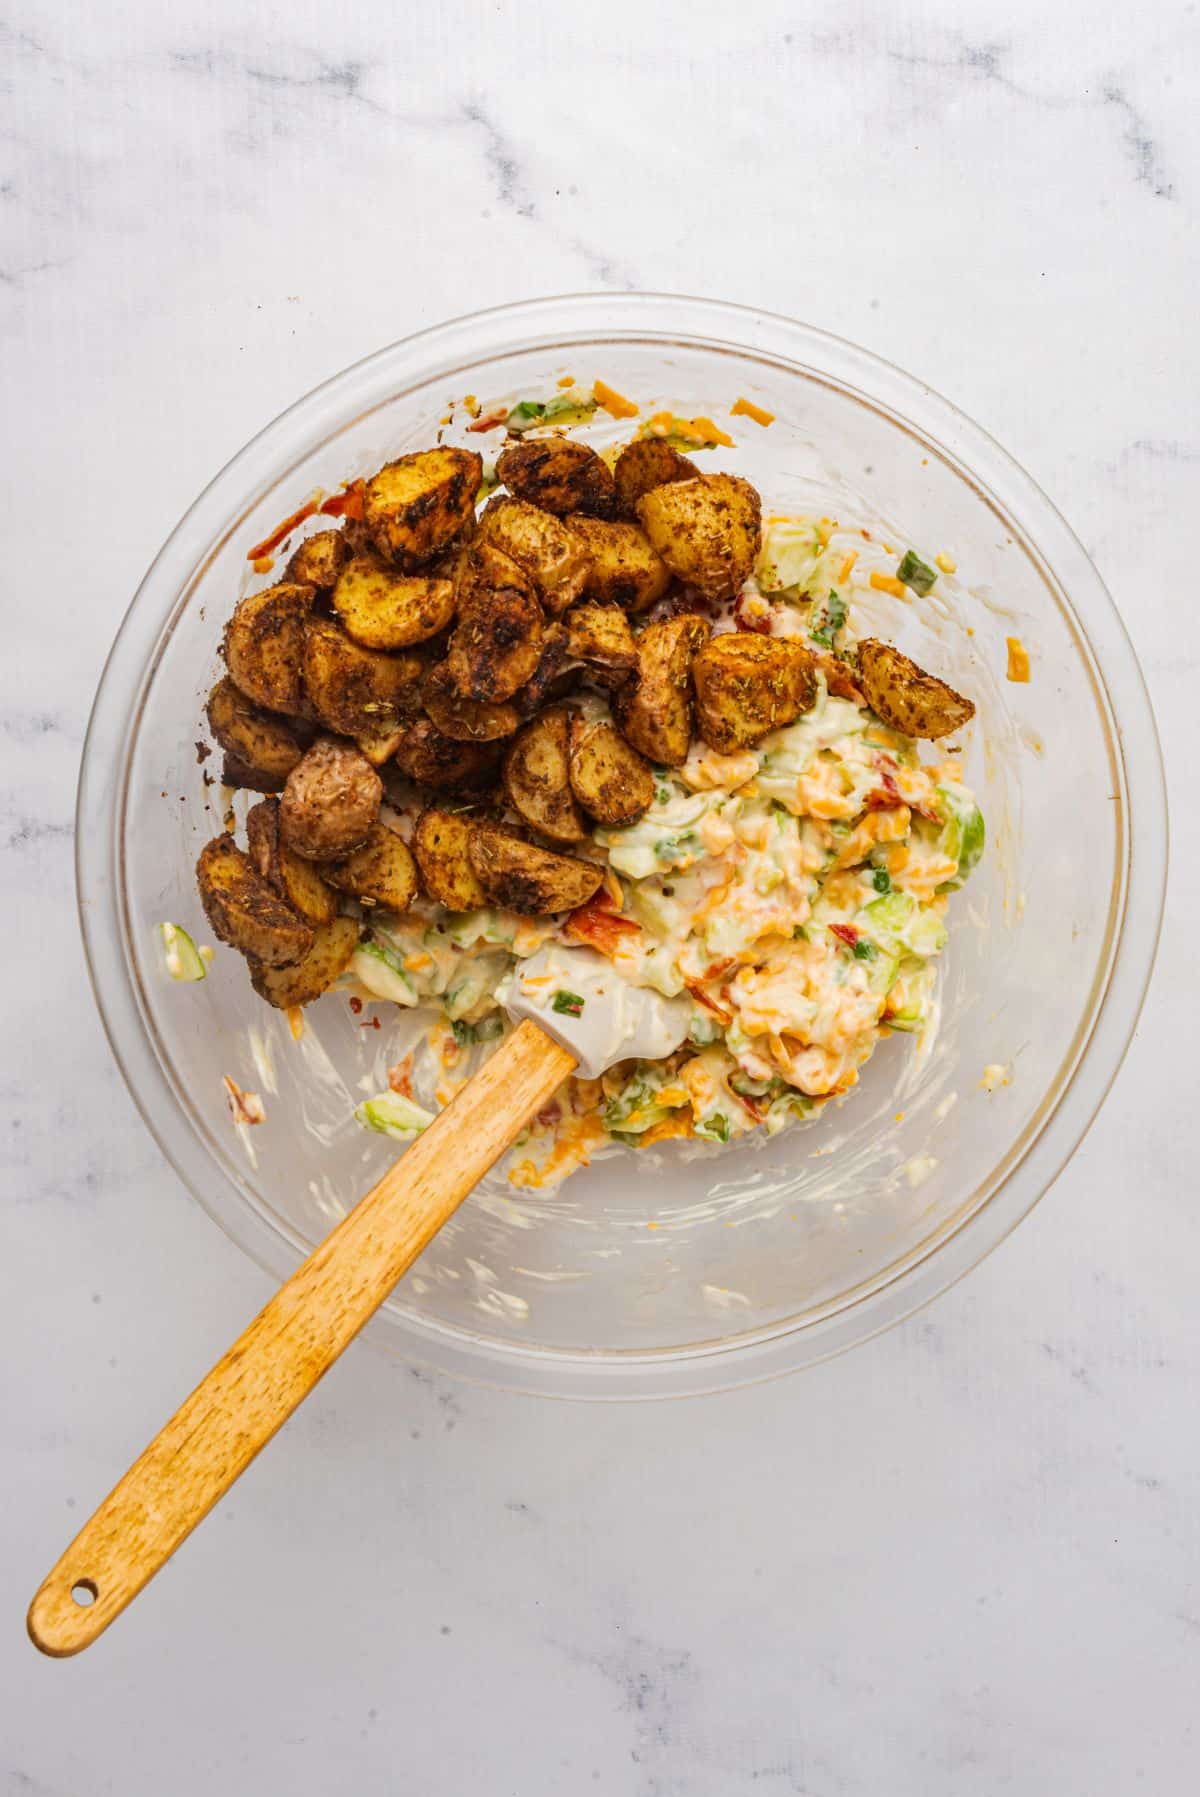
x=608 y=777
x=497 y=642
x=599 y=636
x=624 y=568
x=441 y=846
x=905 y=696
x=333 y=944
x=644 y=464
x=431 y=759
x=748 y=685
x=466 y=720
x=381 y=872
x=319 y=560
x=559 y=475
x=521 y=877
x=537 y=778
x=707 y=530
x=330 y=801
x=295 y=880
x=256 y=741
x=384 y=610
x=244 y=911
x=547 y=553
x=415 y=506
x=654 y=713
x=353 y=689
x=554 y=676
x=264 y=646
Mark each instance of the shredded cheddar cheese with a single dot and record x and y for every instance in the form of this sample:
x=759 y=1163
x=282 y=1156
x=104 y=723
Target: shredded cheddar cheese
x=1018 y=660
x=566 y=380
x=946 y=563
x=472 y=405
x=613 y=402
x=746 y=408
x=847 y=565
x=887 y=583
x=295 y=1017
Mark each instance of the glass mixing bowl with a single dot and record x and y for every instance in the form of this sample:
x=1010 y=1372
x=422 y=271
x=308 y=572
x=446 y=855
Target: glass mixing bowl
x=658 y=1273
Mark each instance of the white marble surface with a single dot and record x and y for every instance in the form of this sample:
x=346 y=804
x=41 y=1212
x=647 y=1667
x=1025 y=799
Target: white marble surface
x=965 y=1558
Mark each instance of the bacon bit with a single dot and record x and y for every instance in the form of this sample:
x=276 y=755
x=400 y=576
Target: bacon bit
x=839 y=679
x=598 y=923
x=746 y=619
x=262 y=564
x=295 y=1017
x=268 y=544
x=400 y=1077
x=492 y=422
x=865 y=534
x=888 y=796
x=370 y=1023
x=245 y=1107
x=887 y=583
x=847 y=565
x=346 y=504
x=746 y=408
x=613 y=402
x=1018 y=660
x=549 y=1115
x=724 y=1017
x=565 y=380
x=751 y=1106
x=718 y=969
x=356 y=1005
x=845 y=932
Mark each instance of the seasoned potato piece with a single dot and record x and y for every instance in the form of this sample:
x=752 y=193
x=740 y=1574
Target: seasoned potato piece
x=497 y=642
x=466 y=720
x=380 y=743
x=537 y=780
x=241 y=777
x=437 y=761
x=440 y=844
x=552 y=678
x=655 y=712
x=330 y=801
x=600 y=637
x=748 y=685
x=381 y=872
x=295 y=880
x=264 y=646
x=551 y=557
x=319 y=560
x=608 y=777
x=256 y=742
x=559 y=475
x=383 y=610
x=244 y=911
x=643 y=465
x=624 y=568
x=353 y=689
x=707 y=530
x=333 y=945
x=521 y=877
x=417 y=505
x=905 y=696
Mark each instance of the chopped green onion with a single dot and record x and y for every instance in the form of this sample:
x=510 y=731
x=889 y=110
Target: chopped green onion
x=464 y=1033
x=864 y=950
x=915 y=573
x=567 y=1004
x=714 y=1128
x=835 y=616
x=881 y=879
x=525 y=413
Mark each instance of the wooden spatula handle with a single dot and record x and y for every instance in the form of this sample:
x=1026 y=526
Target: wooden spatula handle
x=216 y=1432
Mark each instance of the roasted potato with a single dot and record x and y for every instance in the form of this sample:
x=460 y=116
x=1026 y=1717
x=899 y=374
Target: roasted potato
x=431 y=759
x=548 y=554
x=297 y=881
x=537 y=778
x=559 y=475
x=497 y=642
x=384 y=610
x=905 y=696
x=256 y=742
x=466 y=720
x=417 y=505
x=624 y=568
x=332 y=946
x=380 y=743
x=440 y=844
x=353 y=689
x=654 y=713
x=244 y=911
x=643 y=465
x=707 y=530
x=599 y=636
x=381 y=872
x=319 y=560
x=330 y=801
x=554 y=676
x=748 y=685
x=264 y=646
x=608 y=777
x=521 y=877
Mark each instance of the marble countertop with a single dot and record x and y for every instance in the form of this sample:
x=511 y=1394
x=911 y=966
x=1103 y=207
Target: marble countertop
x=963 y=1558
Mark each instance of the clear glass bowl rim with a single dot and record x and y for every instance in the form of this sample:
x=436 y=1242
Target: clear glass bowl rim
x=718 y=325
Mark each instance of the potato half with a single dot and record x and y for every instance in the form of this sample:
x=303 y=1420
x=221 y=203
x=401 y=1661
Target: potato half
x=296 y=881
x=429 y=758
x=707 y=530
x=497 y=642
x=244 y=911
x=417 y=505
x=330 y=801
x=748 y=685
x=319 y=560
x=264 y=646
x=609 y=778
x=599 y=636
x=537 y=778
x=381 y=872
x=521 y=877
x=353 y=689
x=643 y=465
x=466 y=720
x=332 y=946
x=654 y=713
x=905 y=696
x=549 y=554
x=559 y=475
x=624 y=568
x=384 y=610
x=441 y=847
x=258 y=743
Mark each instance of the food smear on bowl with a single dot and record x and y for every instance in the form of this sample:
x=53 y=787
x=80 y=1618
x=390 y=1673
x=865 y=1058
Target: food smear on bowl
x=591 y=698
